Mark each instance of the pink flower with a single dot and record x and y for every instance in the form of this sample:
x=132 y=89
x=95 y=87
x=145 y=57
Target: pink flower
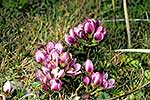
x=55 y=84
x=80 y=26
x=99 y=34
x=88 y=66
x=105 y=75
x=107 y=84
x=42 y=78
x=89 y=26
x=54 y=56
x=7 y=87
x=51 y=64
x=58 y=73
x=40 y=56
x=111 y=83
x=96 y=78
x=45 y=69
x=80 y=32
x=72 y=33
x=104 y=84
x=65 y=58
x=74 y=69
x=59 y=47
x=69 y=39
x=86 y=80
x=49 y=47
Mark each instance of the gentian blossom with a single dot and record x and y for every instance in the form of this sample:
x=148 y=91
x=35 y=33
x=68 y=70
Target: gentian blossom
x=89 y=31
x=55 y=65
x=55 y=84
x=40 y=56
x=86 y=81
x=73 y=70
x=88 y=66
x=96 y=79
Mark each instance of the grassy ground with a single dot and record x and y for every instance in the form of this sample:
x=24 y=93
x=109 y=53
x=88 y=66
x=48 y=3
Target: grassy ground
x=26 y=24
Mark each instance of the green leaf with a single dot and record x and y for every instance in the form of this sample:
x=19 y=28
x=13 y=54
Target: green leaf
x=35 y=84
x=106 y=95
x=132 y=97
x=147 y=74
x=103 y=95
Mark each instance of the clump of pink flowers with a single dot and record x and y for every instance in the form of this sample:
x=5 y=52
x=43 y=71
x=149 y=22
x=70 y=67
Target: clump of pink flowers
x=96 y=79
x=55 y=65
x=89 y=31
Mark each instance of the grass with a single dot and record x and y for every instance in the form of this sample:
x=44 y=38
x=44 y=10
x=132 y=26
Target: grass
x=23 y=26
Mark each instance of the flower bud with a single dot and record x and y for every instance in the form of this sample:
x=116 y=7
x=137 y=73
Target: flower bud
x=39 y=75
x=69 y=39
x=96 y=78
x=104 y=84
x=45 y=87
x=72 y=33
x=89 y=27
x=86 y=81
x=88 y=66
x=99 y=34
x=65 y=57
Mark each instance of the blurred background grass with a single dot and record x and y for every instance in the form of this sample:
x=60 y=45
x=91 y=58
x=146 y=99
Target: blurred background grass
x=25 y=23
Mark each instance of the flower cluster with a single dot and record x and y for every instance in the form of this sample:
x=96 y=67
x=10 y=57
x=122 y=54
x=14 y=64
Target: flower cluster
x=90 y=30
x=96 y=79
x=55 y=65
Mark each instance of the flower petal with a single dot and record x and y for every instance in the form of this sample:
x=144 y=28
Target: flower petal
x=45 y=69
x=96 y=78
x=77 y=67
x=40 y=55
x=111 y=83
x=104 y=84
x=86 y=80
x=59 y=47
x=105 y=75
x=50 y=46
x=7 y=87
x=69 y=39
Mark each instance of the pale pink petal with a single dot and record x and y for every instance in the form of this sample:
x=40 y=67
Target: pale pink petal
x=7 y=87
x=105 y=75
x=59 y=47
x=50 y=46
x=40 y=55
x=45 y=69
x=111 y=83
x=61 y=73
